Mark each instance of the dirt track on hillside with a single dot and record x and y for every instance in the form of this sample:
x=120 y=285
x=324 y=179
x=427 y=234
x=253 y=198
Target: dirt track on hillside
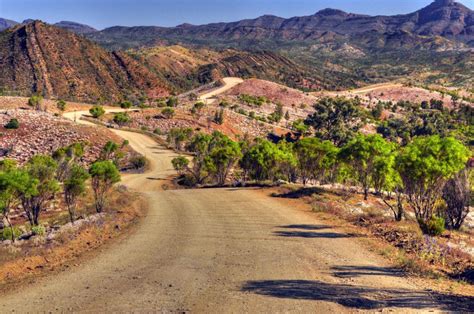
x=229 y=82
x=225 y=250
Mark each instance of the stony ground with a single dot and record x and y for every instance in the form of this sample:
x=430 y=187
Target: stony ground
x=42 y=133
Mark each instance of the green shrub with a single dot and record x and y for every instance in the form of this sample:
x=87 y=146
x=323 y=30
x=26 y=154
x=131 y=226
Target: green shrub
x=433 y=227
x=38 y=230
x=126 y=105
x=7 y=233
x=138 y=162
x=158 y=131
x=97 y=111
x=12 y=124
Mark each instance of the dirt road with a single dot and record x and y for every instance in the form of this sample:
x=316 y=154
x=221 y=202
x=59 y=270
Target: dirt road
x=224 y=250
x=229 y=82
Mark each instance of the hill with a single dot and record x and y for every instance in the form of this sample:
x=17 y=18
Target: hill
x=40 y=58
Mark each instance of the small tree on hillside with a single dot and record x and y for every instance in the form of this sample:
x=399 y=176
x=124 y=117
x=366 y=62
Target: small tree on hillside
x=457 y=195
x=11 y=182
x=65 y=157
x=121 y=118
x=315 y=158
x=97 y=111
x=224 y=155
x=180 y=164
x=74 y=187
x=219 y=116
x=104 y=175
x=335 y=119
x=364 y=154
x=35 y=101
x=168 y=112
x=126 y=104
x=425 y=165
x=61 y=105
x=42 y=185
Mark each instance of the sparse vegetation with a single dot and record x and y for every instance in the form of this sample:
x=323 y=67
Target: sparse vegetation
x=97 y=111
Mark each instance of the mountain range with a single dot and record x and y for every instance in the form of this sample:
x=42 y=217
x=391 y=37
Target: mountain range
x=447 y=19
x=331 y=49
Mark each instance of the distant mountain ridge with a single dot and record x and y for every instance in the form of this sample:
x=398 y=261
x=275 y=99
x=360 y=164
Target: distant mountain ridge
x=442 y=18
x=77 y=28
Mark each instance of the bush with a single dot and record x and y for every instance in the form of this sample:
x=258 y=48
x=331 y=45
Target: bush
x=168 y=113
x=12 y=124
x=125 y=105
x=97 y=111
x=433 y=227
x=138 y=162
x=121 y=118
x=38 y=230
x=61 y=105
x=7 y=233
x=158 y=131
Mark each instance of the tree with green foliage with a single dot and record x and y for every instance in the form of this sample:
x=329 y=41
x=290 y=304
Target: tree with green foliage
x=121 y=118
x=13 y=124
x=168 y=112
x=61 y=105
x=364 y=154
x=42 y=185
x=277 y=115
x=223 y=156
x=126 y=104
x=65 y=157
x=335 y=119
x=315 y=158
x=425 y=165
x=104 y=175
x=172 y=102
x=11 y=182
x=200 y=146
x=177 y=137
x=286 y=162
x=180 y=164
x=74 y=187
x=36 y=101
x=197 y=108
x=377 y=111
x=97 y=111
x=264 y=161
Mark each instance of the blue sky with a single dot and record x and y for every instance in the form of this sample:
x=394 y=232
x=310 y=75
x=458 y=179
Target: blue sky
x=105 y=13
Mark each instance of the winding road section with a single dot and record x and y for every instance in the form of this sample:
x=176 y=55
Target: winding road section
x=223 y=250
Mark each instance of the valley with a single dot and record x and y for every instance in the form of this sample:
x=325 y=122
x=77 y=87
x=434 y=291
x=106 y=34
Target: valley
x=316 y=163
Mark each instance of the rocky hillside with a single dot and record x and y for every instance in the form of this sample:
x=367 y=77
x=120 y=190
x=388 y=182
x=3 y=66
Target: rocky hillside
x=40 y=58
x=443 y=18
x=188 y=68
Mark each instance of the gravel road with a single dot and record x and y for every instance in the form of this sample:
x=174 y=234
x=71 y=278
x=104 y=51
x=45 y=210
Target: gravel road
x=225 y=250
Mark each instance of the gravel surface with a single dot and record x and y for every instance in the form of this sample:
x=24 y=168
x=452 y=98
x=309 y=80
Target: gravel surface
x=226 y=250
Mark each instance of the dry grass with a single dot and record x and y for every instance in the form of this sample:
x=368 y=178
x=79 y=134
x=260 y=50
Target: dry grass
x=39 y=255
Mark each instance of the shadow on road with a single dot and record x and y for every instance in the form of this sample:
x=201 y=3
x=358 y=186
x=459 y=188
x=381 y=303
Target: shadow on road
x=358 y=297
x=300 y=193
x=308 y=234
x=305 y=227
x=358 y=271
